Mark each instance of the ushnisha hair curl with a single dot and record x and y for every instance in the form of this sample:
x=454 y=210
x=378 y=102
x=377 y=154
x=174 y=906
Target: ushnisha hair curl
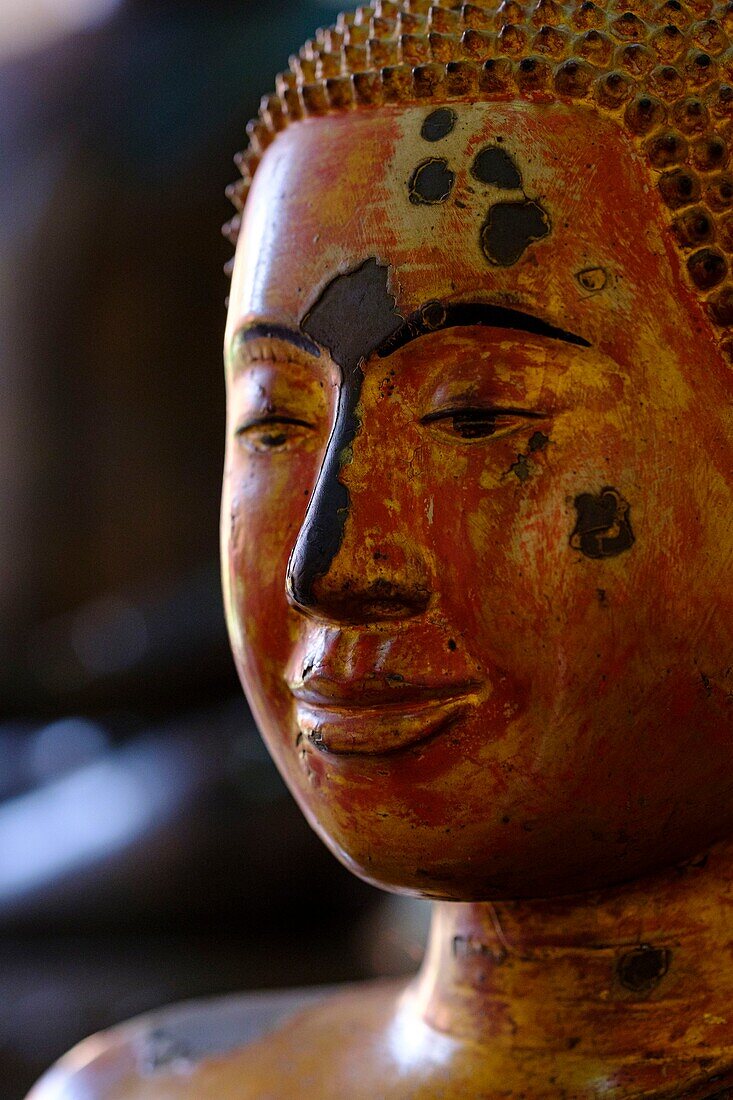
x=663 y=70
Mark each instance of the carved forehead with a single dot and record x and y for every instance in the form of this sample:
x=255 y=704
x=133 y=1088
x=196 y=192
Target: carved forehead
x=336 y=191
x=662 y=71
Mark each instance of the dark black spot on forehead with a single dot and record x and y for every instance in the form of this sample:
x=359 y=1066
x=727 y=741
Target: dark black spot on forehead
x=431 y=182
x=439 y=124
x=354 y=315
x=603 y=527
x=494 y=166
x=510 y=228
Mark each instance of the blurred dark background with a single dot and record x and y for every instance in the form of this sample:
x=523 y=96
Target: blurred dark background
x=148 y=849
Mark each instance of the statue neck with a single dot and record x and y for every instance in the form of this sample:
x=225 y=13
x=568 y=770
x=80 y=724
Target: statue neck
x=632 y=985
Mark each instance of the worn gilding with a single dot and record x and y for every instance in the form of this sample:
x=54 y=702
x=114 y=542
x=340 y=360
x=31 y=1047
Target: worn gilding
x=477 y=537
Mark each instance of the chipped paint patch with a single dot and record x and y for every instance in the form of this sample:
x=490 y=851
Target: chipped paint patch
x=353 y=316
x=510 y=228
x=494 y=166
x=603 y=527
x=592 y=279
x=439 y=124
x=521 y=469
x=431 y=183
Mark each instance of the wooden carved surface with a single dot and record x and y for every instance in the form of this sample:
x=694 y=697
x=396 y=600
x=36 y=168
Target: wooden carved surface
x=477 y=534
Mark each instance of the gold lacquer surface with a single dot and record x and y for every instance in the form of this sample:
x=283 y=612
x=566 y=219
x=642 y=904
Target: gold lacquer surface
x=477 y=539
x=509 y=676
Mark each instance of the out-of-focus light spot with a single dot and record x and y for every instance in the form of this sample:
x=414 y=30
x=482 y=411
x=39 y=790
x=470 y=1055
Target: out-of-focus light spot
x=109 y=636
x=14 y=740
x=65 y=745
x=88 y=815
x=29 y=24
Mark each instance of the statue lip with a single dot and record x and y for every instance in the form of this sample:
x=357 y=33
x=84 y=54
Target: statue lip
x=369 y=692
x=380 y=729
x=377 y=692
x=376 y=715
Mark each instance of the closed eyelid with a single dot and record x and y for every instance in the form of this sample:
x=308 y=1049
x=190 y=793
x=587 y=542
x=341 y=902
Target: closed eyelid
x=482 y=410
x=274 y=418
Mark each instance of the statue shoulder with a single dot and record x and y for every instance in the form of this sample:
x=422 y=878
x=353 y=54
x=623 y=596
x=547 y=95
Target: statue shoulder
x=233 y=1048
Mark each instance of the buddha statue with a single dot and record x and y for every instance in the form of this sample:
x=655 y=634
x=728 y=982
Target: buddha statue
x=478 y=540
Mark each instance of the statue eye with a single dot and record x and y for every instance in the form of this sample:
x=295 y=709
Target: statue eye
x=471 y=424
x=272 y=433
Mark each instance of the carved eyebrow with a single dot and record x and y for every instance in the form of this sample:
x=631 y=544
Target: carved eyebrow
x=434 y=316
x=263 y=331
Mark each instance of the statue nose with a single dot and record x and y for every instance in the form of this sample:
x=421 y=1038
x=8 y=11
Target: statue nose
x=352 y=562
x=354 y=599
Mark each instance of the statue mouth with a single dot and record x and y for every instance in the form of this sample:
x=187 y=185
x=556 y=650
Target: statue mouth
x=376 y=691
x=366 y=693
x=359 y=719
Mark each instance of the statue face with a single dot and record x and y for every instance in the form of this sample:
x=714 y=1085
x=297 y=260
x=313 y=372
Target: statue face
x=477 y=508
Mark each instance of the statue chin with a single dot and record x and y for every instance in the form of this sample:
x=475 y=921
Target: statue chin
x=544 y=867
x=477 y=533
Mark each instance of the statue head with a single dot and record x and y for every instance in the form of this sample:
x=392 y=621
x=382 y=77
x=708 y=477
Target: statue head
x=478 y=505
